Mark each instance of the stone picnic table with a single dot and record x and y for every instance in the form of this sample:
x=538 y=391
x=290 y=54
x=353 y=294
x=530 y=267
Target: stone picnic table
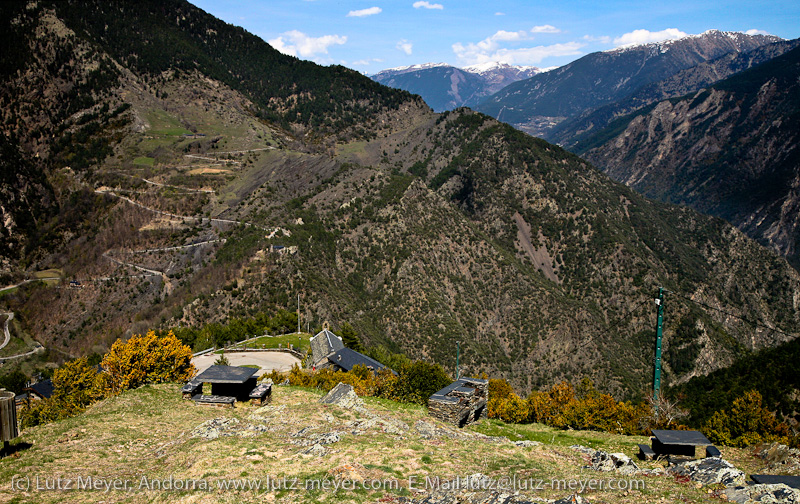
x=676 y=442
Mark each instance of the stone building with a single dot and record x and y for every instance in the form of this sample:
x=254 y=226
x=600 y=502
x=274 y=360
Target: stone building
x=461 y=402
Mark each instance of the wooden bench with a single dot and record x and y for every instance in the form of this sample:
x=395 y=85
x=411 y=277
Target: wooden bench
x=646 y=453
x=214 y=400
x=262 y=394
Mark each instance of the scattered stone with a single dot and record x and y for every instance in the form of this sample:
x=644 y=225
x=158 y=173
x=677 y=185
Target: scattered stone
x=222 y=427
x=572 y=499
x=607 y=462
x=267 y=413
x=429 y=430
x=344 y=396
x=527 y=444
x=780 y=457
x=388 y=425
x=708 y=471
x=316 y=450
x=583 y=449
x=778 y=493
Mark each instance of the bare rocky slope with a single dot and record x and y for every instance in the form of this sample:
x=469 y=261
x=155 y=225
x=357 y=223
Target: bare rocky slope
x=729 y=150
x=200 y=176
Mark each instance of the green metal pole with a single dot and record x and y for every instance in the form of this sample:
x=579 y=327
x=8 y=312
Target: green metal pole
x=458 y=354
x=657 y=372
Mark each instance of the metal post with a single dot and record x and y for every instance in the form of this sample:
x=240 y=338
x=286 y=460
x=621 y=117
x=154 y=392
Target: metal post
x=298 y=313
x=657 y=371
x=458 y=352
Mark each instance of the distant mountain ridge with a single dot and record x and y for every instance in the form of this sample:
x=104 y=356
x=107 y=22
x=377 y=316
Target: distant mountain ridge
x=538 y=104
x=729 y=151
x=577 y=130
x=445 y=87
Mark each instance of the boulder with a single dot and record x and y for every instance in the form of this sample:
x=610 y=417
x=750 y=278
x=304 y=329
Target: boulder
x=344 y=396
x=778 y=493
x=709 y=471
x=618 y=462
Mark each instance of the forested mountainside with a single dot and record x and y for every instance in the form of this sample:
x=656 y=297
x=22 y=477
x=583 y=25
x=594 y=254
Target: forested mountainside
x=199 y=176
x=729 y=150
x=538 y=104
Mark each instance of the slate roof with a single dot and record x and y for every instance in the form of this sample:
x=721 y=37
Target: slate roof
x=43 y=388
x=445 y=393
x=324 y=344
x=225 y=374
x=347 y=359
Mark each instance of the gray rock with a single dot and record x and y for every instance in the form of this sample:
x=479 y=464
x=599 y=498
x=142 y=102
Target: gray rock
x=527 y=444
x=572 y=499
x=779 y=493
x=618 y=462
x=708 y=471
x=316 y=450
x=344 y=396
x=222 y=427
x=583 y=449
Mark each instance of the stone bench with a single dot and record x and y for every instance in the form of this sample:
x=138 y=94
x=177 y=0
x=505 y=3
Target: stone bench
x=191 y=389
x=646 y=453
x=712 y=451
x=262 y=394
x=214 y=400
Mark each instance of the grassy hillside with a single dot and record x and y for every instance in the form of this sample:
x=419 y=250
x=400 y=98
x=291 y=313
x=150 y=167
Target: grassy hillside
x=152 y=433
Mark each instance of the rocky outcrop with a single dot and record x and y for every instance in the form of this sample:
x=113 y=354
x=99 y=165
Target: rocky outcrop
x=767 y=494
x=709 y=471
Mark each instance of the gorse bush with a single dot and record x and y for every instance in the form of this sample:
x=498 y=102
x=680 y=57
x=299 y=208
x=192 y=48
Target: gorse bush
x=146 y=359
x=129 y=364
x=564 y=406
x=748 y=423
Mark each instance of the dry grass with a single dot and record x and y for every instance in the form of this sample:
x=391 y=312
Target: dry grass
x=148 y=433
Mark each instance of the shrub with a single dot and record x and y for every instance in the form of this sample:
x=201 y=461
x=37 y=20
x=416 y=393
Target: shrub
x=749 y=423
x=146 y=359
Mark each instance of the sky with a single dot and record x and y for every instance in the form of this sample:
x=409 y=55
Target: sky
x=373 y=35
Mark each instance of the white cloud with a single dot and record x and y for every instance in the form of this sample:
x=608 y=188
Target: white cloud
x=365 y=12
x=405 y=46
x=495 y=48
x=545 y=29
x=603 y=39
x=646 y=36
x=296 y=43
x=365 y=62
x=756 y=32
x=427 y=5
x=499 y=13
x=473 y=54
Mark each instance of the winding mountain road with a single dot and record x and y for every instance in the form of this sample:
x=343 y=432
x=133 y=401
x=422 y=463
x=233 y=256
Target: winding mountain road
x=7 y=333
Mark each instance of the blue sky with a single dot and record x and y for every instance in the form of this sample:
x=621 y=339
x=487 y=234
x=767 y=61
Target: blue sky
x=372 y=35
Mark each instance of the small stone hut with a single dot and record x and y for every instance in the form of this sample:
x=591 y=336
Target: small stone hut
x=461 y=402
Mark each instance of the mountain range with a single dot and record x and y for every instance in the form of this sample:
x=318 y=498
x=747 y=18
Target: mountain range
x=445 y=87
x=538 y=104
x=728 y=150
x=185 y=173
